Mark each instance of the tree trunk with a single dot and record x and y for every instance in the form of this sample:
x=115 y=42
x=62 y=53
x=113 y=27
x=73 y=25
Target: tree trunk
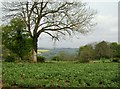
x=34 y=50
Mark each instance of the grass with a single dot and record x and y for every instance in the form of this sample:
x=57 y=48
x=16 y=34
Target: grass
x=60 y=74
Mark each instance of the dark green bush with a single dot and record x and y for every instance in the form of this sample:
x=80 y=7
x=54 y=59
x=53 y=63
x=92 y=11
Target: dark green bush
x=56 y=58
x=10 y=58
x=115 y=59
x=40 y=59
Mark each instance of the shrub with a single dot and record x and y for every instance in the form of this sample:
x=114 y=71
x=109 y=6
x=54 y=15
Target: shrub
x=10 y=58
x=56 y=58
x=28 y=57
x=40 y=59
x=85 y=56
x=85 y=53
x=115 y=59
x=102 y=60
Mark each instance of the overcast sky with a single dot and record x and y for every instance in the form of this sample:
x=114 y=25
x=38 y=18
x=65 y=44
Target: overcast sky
x=106 y=28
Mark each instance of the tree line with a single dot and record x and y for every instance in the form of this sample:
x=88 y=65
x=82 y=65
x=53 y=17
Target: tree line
x=102 y=50
x=17 y=45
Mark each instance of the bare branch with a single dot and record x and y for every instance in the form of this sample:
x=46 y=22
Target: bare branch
x=53 y=37
x=62 y=17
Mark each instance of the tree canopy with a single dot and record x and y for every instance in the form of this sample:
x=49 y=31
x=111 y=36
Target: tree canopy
x=15 y=38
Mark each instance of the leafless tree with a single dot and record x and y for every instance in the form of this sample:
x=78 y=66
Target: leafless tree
x=53 y=18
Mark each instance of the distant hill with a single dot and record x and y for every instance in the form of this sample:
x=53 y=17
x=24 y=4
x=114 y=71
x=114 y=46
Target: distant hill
x=54 y=51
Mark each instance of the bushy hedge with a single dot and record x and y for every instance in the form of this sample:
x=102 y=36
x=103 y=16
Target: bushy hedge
x=115 y=59
x=10 y=57
x=40 y=59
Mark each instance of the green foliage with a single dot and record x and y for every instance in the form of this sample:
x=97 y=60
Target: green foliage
x=86 y=53
x=115 y=59
x=40 y=59
x=102 y=50
x=103 y=59
x=84 y=57
x=16 y=39
x=7 y=55
x=113 y=47
x=11 y=58
x=56 y=58
x=62 y=74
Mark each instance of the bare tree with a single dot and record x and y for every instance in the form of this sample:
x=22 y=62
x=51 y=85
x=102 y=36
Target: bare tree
x=52 y=18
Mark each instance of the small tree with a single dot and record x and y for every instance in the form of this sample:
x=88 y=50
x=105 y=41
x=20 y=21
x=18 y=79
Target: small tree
x=102 y=50
x=85 y=53
x=114 y=48
x=15 y=38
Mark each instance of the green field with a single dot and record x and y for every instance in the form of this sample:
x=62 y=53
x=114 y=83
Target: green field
x=42 y=51
x=60 y=74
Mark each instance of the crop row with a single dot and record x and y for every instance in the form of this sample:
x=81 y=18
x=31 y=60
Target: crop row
x=60 y=74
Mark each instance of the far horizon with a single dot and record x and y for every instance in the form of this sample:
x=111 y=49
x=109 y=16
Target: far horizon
x=55 y=48
x=71 y=47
